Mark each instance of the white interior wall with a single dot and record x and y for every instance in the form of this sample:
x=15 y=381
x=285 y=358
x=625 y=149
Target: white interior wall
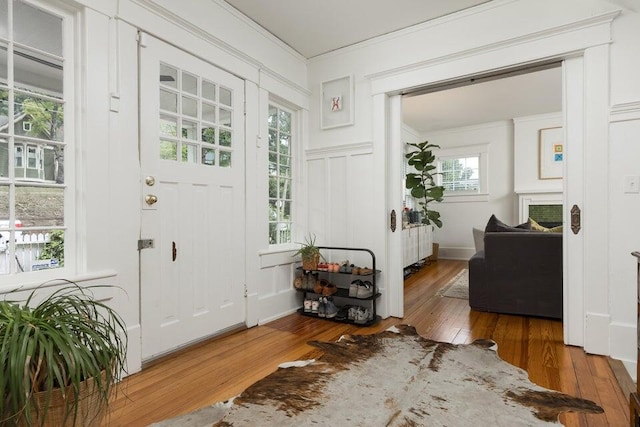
x=409 y=58
x=526 y=153
x=624 y=233
x=211 y=32
x=460 y=216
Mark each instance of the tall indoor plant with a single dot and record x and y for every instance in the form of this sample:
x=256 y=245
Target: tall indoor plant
x=422 y=182
x=60 y=357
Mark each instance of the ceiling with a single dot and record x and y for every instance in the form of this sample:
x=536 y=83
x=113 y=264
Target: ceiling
x=313 y=27
x=495 y=100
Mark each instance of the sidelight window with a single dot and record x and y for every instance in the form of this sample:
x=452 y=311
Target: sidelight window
x=280 y=174
x=33 y=97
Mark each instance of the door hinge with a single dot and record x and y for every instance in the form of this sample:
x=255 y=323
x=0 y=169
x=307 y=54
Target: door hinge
x=246 y=291
x=145 y=244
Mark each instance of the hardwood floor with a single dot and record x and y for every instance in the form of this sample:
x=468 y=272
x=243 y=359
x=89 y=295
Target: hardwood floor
x=219 y=369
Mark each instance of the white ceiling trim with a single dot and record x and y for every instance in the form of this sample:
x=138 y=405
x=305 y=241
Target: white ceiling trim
x=481 y=8
x=386 y=81
x=258 y=28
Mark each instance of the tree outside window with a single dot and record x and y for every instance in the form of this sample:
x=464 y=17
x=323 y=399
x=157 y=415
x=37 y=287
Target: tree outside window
x=280 y=175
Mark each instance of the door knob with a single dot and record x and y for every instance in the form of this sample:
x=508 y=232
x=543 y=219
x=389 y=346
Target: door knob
x=150 y=181
x=150 y=199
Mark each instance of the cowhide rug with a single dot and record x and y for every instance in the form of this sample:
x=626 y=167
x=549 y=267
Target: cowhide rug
x=393 y=378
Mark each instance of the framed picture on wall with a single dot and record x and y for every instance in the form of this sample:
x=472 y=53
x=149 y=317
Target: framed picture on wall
x=336 y=102
x=552 y=153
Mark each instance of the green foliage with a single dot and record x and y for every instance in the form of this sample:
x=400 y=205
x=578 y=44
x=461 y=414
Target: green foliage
x=67 y=338
x=54 y=248
x=308 y=249
x=422 y=183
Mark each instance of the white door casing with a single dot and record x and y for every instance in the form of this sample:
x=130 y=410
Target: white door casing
x=192 y=161
x=582 y=42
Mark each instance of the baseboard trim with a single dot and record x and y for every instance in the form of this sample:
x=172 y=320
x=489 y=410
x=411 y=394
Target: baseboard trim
x=622 y=376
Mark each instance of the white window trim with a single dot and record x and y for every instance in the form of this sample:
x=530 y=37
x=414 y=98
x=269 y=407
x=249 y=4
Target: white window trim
x=480 y=150
x=72 y=88
x=296 y=150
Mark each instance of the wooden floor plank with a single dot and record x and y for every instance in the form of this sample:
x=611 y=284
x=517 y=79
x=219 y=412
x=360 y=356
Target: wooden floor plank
x=219 y=369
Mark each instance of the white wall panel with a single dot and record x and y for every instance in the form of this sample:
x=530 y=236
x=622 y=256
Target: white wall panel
x=527 y=153
x=459 y=219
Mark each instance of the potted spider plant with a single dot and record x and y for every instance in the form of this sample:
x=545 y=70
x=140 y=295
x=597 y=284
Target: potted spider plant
x=60 y=358
x=309 y=253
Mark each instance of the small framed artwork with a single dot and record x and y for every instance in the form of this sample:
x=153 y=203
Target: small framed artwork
x=552 y=153
x=336 y=102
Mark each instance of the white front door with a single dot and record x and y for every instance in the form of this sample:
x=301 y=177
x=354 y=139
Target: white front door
x=192 y=163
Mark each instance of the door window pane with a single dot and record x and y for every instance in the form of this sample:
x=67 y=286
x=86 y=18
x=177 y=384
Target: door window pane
x=209 y=91
x=225 y=96
x=209 y=135
x=199 y=118
x=208 y=156
x=37 y=28
x=189 y=130
x=168 y=101
x=225 y=159
x=189 y=83
x=208 y=112
x=225 y=117
x=168 y=150
x=189 y=153
x=168 y=125
x=225 y=138
x=189 y=107
x=168 y=76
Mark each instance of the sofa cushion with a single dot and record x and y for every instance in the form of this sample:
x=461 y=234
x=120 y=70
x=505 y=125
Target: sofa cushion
x=495 y=225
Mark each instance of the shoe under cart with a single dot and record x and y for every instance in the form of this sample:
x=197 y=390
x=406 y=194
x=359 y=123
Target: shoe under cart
x=346 y=296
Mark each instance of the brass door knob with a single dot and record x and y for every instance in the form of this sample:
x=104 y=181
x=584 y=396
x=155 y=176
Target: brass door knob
x=150 y=199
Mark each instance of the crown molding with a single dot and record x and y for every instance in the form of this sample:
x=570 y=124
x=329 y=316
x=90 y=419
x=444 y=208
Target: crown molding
x=593 y=21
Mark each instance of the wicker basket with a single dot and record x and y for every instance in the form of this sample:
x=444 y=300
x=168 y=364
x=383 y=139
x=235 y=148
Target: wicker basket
x=91 y=407
x=311 y=263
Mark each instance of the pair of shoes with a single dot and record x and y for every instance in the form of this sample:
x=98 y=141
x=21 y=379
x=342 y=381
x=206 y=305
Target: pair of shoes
x=360 y=289
x=315 y=306
x=346 y=267
x=306 y=282
x=365 y=271
x=326 y=308
x=307 y=305
x=359 y=315
x=362 y=316
x=323 y=287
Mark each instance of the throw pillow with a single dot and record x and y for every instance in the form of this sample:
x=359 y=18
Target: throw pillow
x=478 y=239
x=495 y=225
x=557 y=229
x=537 y=227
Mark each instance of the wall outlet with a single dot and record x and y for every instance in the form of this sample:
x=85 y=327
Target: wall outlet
x=632 y=184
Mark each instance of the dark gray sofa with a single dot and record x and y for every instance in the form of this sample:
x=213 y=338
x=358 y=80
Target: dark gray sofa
x=518 y=272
